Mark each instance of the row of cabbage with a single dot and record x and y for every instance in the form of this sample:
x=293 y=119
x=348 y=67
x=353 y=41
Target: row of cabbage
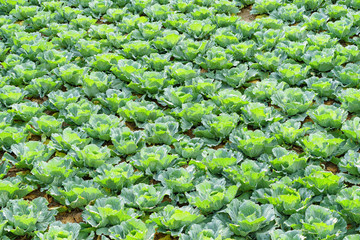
x=178 y=117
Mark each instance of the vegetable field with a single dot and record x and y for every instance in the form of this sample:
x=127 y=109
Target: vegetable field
x=179 y=119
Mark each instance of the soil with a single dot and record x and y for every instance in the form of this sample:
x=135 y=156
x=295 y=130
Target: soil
x=246 y=15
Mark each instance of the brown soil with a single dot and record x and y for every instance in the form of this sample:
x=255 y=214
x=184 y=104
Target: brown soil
x=331 y=167
x=161 y=236
x=246 y=15
x=70 y=217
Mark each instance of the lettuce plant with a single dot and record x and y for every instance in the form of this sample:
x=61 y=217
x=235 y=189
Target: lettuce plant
x=218 y=127
x=188 y=49
x=285 y=199
x=316 y=21
x=269 y=38
x=147 y=31
x=100 y=31
x=100 y=125
x=143 y=196
x=236 y=76
x=59 y=99
x=350 y=52
x=167 y=40
x=293 y=73
x=349 y=99
x=25 y=217
x=27 y=154
x=252 y=143
x=321 y=41
x=71 y=73
x=178 y=180
x=39 y=87
x=263 y=90
x=131 y=22
x=137 y=49
x=324 y=87
x=10 y=94
x=351 y=129
x=104 y=61
x=163 y=130
x=54 y=171
x=116 y=177
x=181 y=72
x=350 y=163
x=93 y=156
x=287 y=161
x=53 y=58
x=69 y=139
x=12 y=135
x=115 y=14
x=189 y=147
x=211 y=195
x=158 y=62
x=318 y=222
x=286 y=235
x=222 y=20
x=205 y=86
x=247 y=216
x=323 y=145
x=140 y=111
x=258 y=114
x=342 y=28
x=229 y=100
x=289 y=131
x=76 y=192
x=242 y=51
x=6 y=119
x=99 y=8
x=23 y=12
x=289 y=13
x=215 y=229
x=106 y=212
x=126 y=69
x=59 y=230
x=215 y=161
x=150 y=82
x=25 y=72
x=191 y=113
x=269 y=61
x=69 y=38
x=176 y=219
x=336 y=11
x=216 y=59
x=348 y=75
x=249 y=175
x=125 y=141
x=224 y=37
x=294 y=50
x=320 y=181
x=13 y=188
x=45 y=125
x=293 y=100
x=80 y=112
x=132 y=228
x=328 y=116
x=95 y=83
x=198 y=29
x=348 y=199
x=324 y=60
x=176 y=97
x=88 y=48
x=114 y=99
x=153 y=159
